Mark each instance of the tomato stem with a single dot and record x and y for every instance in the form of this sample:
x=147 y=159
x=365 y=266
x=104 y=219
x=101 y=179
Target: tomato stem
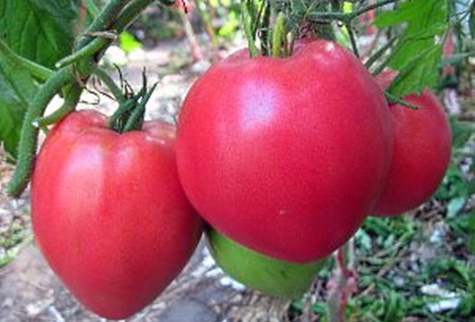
x=379 y=53
x=70 y=102
x=135 y=121
x=351 y=34
x=118 y=119
x=103 y=20
x=278 y=35
x=29 y=132
x=394 y=100
x=105 y=78
x=345 y=17
x=247 y=26
x=130 y=12
x=130 y=114
x=89 y=50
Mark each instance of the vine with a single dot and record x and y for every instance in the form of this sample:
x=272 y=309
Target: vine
x=73 y=71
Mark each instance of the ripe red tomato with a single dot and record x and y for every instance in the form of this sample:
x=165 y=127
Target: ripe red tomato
x=285 y=156
x=109 y=214
x=422 y=146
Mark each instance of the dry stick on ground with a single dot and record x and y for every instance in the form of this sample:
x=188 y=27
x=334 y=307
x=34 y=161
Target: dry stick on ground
x=386 y=268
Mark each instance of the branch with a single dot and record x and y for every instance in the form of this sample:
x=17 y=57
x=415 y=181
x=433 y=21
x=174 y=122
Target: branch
x=29 y=133
x=348 y=17
x=103 y=21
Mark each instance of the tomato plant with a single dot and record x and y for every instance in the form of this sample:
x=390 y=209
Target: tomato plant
x=422 y=148
x=285 y=156
x=109 y=214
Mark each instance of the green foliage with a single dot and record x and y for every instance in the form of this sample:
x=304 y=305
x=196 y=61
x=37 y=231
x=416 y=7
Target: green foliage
x=417 y=54
x=41 y=31
x=17 y=87
x=458 y=185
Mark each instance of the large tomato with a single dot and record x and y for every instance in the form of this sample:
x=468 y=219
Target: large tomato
x=109 y=214
x=285 y=156
x=422 y=146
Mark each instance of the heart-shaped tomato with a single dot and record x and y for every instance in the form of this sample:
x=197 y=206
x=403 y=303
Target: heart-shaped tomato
x=109 y=213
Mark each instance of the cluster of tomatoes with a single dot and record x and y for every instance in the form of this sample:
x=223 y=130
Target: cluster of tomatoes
x=286 y=157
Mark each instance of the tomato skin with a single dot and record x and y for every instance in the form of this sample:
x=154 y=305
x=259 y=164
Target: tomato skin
x=285 y=156
x=109 y=214
x=422 y=149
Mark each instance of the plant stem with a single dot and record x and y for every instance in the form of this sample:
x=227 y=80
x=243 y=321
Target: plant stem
x=103 y=21
x=107 y=80
x=351 y=34
x=377 y=55
x=343 y=283
x=130 y=12
x=92 y=8
x=370 y=7
x=33 y=68
x=29 y=132
x=135 y=121
x=278 y=35
x=70 y=102
x=348 y=17
x=246 y=23
x=88 y=50
x=395 y=100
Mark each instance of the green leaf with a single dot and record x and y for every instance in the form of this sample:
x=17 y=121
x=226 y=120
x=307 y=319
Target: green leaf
x=17 y=88
x=40 y=30
x=420 y=72
x=418 y=14
x=419 y=52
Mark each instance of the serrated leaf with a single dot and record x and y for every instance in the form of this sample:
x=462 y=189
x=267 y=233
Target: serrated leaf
x=413 y=44
x=418 y=14
x=17 y=88
x=419 y=73
x=40 y=30
x=418 y=55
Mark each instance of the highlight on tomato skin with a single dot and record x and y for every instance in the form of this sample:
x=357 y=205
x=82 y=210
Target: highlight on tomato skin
x=273 y=154
x=109 y=214
x=422 y=150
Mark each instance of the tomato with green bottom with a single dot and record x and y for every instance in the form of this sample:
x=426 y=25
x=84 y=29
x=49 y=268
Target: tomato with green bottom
x=109 y=213
x=285 y=156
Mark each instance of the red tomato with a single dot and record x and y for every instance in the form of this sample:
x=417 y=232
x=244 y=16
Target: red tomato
x=109 y=213
x=422 y=148
x=285 y=156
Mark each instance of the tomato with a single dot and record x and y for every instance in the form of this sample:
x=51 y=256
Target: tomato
x=422 y=148
x=285 y=156
x=109 y=214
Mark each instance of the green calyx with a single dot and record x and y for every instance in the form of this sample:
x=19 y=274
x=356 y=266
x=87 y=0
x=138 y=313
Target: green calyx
x=131 y=112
